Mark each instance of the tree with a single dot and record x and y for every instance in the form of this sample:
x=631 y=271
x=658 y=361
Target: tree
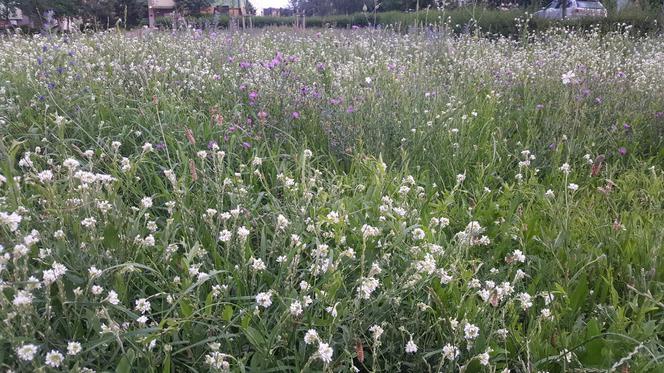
x=249 y=7
x=99 y=11
x=7 y=8
x=193 y=7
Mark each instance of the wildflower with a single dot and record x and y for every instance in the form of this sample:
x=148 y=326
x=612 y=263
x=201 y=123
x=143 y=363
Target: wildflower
x=460 y=178
x=450 y=352
x=142 y=305
x=565 y=168
x=367 y=286
x=257 y=265
x=568 y=77
x=243 y=232
x=376 y=331
x=146 y=202
x=264 y=299
x=369 y=231
x=549 y=194
x=54 y=359
x=311 y=336
x=484 y=358
x=225 y=236
x=112 y=298
x=282 y=222
x=526 y=300
x=325 y=352
x=471 y=331
x=22 y=298
x=73 y=348
x=296 y=308
x=573 y=187
x=411 y=347
x=418 y=234
x=27 y=352
x=10 y=220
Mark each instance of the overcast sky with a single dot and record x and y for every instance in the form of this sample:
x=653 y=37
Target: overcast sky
x=260 y=4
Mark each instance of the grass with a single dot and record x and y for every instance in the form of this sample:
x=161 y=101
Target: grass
x=331 y=200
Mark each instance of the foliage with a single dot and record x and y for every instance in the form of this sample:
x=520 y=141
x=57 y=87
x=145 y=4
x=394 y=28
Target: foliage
x=325 y=200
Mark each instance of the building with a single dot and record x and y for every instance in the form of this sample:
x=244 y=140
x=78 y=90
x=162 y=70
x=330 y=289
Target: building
x=158 y=8
x=233 y=8
x=277 y=12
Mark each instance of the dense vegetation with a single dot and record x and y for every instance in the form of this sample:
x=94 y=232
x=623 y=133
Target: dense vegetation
x=331 y=200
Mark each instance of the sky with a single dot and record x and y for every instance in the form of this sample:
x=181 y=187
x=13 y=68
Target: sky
x=260 y=4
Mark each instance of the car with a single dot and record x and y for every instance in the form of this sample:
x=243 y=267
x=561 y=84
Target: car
x=575 y=9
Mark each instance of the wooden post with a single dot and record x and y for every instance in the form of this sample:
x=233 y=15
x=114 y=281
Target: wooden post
x=151 y=15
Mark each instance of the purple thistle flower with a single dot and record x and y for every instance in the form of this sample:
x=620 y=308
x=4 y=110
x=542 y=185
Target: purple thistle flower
x=295 y=115
x=246 y=145
x=622 y=151
x=350 y=109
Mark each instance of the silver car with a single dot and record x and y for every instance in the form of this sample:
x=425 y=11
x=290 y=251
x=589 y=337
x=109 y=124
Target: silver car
x=575 y=9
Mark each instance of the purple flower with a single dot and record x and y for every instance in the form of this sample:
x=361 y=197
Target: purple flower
x=245 y=65
x=659 y=114
x=350 y=109
x=40 y=60
x=539 y=107
x=160 y=146
x=622 y=151
x=296 y=115
x=246 y=145
x=627 y=127
x=253 y=95
x=552 y=146
x=212 y=144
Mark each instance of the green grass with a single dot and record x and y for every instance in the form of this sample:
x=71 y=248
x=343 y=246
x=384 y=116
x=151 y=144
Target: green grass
x=392 y=133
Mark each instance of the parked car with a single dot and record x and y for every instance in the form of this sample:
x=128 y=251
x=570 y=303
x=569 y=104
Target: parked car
x=575 y=9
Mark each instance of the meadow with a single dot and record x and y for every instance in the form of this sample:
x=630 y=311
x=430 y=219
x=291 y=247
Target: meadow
x=331 y=200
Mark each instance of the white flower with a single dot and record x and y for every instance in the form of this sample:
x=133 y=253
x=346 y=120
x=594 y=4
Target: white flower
x=450 y=352
x=54 y=359
x=296 y=308
x=147 y=147
x=264 y=299
x=142 y=305
x=22 y=298
x=112 y=298
x=367 y=286
x=243 y=232
x=546 y=314
x=225 y=236
x=549 y=194
x=565 y=168
x=311 y=336
x=73 y=348
x=27 y=352
x=369 y=231
x=376 y=331
x=460 y=178
x=45 y=176
x=526 y=300
x=484 y=358
x=11 y=220
x=471 y=331
x=307 y=153
x=325 y=352
x=573 y=187
x=411 y=347
x=568 y=77
x=418 y=234
x=282 y=222
x=146 y=202
x=257 y=264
